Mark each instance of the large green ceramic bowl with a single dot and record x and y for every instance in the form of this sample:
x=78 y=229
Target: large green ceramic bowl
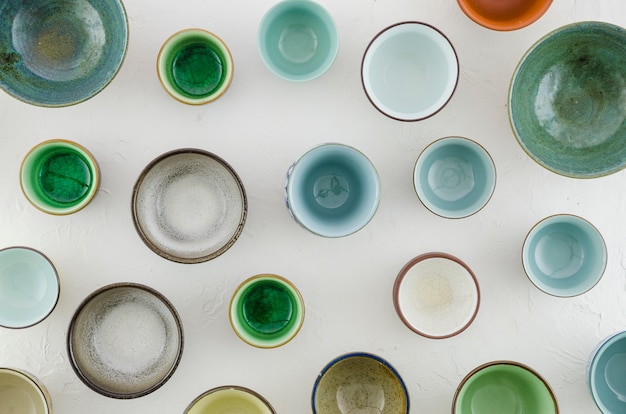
x=567 y=100
x=60 y=52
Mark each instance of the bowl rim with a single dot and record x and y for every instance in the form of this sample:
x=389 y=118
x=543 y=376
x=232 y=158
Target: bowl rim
x=205 y=34
x=35 y=382
x=360 y=354
x=58 y=286
x=470 y=12
x=251 y=281
x=485 y=365
x=231 y=387
x=391 y=27
x=593 y=365
x=401 y=276
x=579 y=220
x=470 y=143
x=122 y=285
x=146 y=239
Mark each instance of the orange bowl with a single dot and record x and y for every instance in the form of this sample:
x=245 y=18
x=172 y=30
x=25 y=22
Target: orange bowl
x=504 y=15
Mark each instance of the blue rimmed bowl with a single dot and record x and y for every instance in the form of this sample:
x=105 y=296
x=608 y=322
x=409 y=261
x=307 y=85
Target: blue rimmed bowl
x=607 y=381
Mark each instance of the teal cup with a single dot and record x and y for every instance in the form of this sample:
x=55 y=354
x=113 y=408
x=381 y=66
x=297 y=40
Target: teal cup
x=607 y=381
x=298 y=40
x=333 y=190
x=564 y=255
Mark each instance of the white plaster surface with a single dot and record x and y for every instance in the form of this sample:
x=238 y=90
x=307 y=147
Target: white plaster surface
x=260 y=126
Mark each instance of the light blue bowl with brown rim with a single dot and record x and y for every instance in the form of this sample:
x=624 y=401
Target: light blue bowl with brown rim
x=567 y=100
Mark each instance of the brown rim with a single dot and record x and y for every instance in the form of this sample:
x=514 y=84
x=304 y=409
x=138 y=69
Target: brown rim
x=456 y=82
x=400 y=278
x=231 y=387
x=502 y=27
x=35 y=382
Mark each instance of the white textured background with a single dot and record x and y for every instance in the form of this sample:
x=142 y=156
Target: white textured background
x=260 y=126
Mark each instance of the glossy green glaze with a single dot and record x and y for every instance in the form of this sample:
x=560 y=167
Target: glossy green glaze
x=567 y=100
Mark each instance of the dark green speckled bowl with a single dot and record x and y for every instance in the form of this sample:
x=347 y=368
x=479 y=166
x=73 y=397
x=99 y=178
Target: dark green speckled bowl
x=567 y=100
x=60 y=52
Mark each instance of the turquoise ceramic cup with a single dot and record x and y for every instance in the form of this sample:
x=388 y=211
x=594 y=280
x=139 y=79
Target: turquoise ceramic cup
x=564 y=255
x=298 y=40
x=605 y=375
x=454 y=177
x=333 y=190
x=29 y=287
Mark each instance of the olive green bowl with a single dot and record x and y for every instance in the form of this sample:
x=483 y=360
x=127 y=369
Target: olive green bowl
x=567 y=100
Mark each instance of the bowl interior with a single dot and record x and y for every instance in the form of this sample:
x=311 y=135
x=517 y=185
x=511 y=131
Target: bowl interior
x=230 y=399
x=504 y=15
x=606 y=375
x=60 y=52
x=564 y=255
x=29 y=287
x=454 y=177
x=567 y=101
x=125 y=341
x=21 y=393
x=298 y=40
x=359 y=383
x=333 y=190
x=409 y=71
x=504 y=388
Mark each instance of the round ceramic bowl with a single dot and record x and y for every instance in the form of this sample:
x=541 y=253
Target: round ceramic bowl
x=504 y=15
x=566 y=100
x=195 y=66
x=333 y=190
x=298 y=40
x=21 y=393
x=564 y=255
x=230 y=399
x=125 y=340
x=454 y=177
x=60 y=52
x=409 y=71
x=504 y=387
x=359 y=383
x=29 y=287
x=266 y=311
x=189 y=206
x=59 y=177
x=606 y=375
x=436 y=295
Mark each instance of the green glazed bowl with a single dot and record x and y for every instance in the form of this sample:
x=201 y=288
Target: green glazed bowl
x=567 y=100
x=57 y=53
x=504 y=387
x=195 y=66
x=59 y=177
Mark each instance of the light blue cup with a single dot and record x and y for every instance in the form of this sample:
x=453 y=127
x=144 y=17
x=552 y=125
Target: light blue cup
x=29 y=287
x=606 y=375
x=454 y=177
x=298 y=40
x=564 y=255
x=333 y=190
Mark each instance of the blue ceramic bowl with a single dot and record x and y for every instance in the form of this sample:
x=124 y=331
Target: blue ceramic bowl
x=29 y=287
x=564 y=255
x=454 y=177
x=333 y=190
x=60 y=52
x=409 y=71
x=566 y=100
x=298 y=40
x=606 y=375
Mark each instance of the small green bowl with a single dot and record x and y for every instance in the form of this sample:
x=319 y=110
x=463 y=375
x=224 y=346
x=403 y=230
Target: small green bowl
x=195 y=66
x=59 y=177
x=57 y=53
x=567 y=104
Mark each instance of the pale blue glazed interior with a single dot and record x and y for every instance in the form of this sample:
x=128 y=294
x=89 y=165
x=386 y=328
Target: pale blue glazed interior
x=298 y=40
x=606 y=375
x=60 y=52
x=564 y=255
x=567 y=100
x=454 y=177
x=29 y=287
x=333 y=190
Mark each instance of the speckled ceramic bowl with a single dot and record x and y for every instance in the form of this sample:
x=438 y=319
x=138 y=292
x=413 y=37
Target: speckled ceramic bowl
x=230 y=399
x=60 y=52
x=607 y=381
x=359 y=382
x=22 y=393
x=125 y=340
x=567 y=100
x=504 y=15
